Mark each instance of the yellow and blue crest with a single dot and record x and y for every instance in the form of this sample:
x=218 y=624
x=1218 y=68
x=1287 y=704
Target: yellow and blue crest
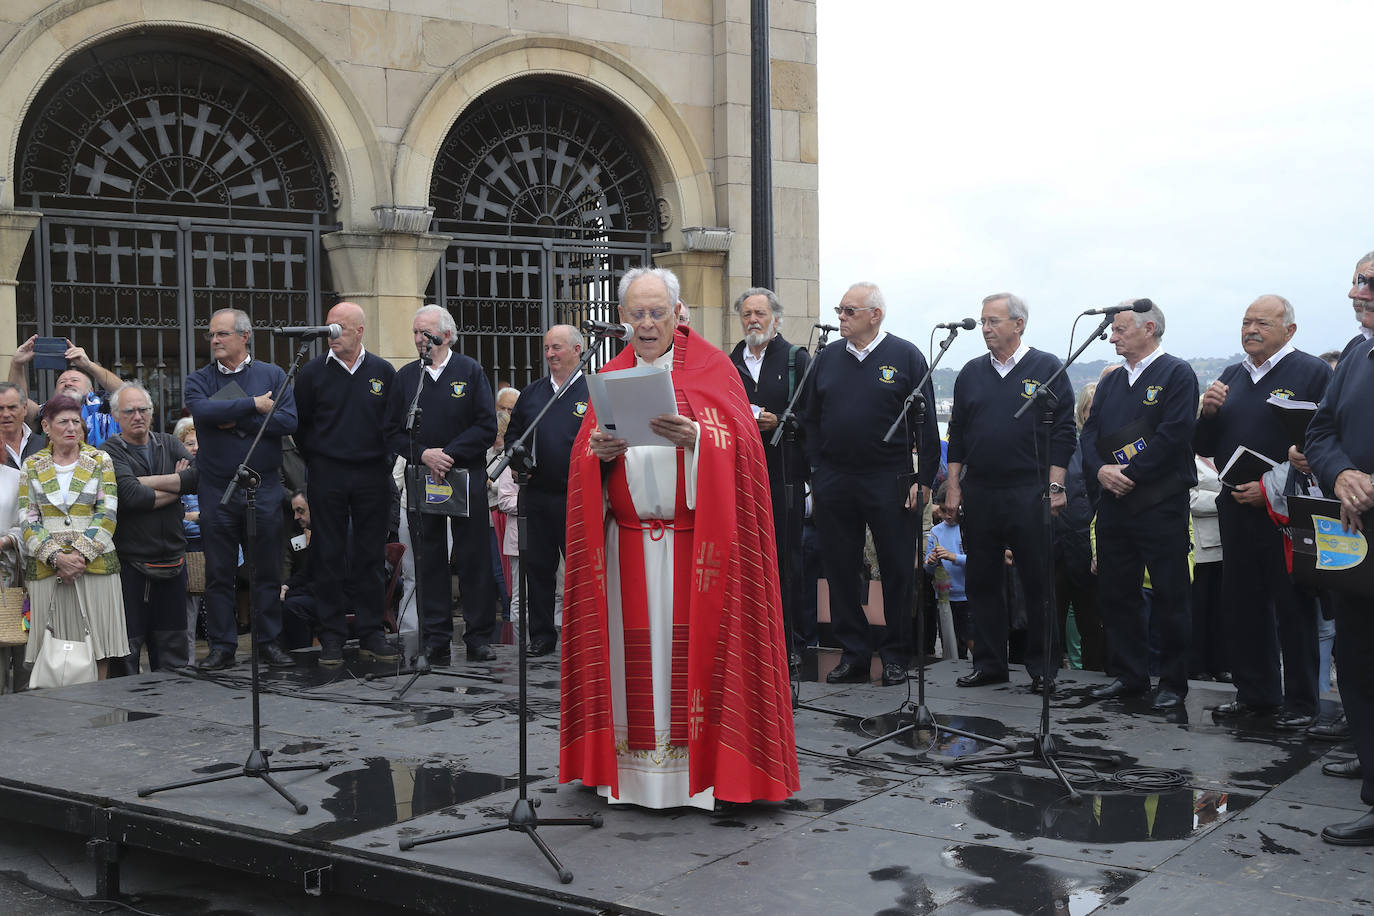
x=459 y=389
x=1337 y=548
x=887 y=374
x=1282 y=393
x=375 y=385
x=1152 y=394
x=1128 y=451
x=437 y=492
x=1028 y=387
x=580 y=408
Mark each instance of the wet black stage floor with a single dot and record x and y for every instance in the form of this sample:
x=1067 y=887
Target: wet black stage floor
x=1182 y=816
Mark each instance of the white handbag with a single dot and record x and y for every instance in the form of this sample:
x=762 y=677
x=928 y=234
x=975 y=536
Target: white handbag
x=64 y=662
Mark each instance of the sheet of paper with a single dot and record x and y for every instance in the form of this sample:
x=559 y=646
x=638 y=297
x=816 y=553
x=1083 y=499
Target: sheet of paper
x=626 y=400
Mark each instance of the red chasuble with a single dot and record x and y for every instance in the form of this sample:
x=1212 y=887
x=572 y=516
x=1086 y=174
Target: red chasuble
x=735 y=700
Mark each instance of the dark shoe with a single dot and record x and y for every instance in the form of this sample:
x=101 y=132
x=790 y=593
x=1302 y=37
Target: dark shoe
x=977 y=678
x=893 y=675
x=1222 y=677
x=1238 y=710
x=848 y=673
x=1115 y=689
x=273 y=656
x=375 y=647
x=1293 y=720
x=1344 y=769
x=331 y=654
x=1335 y=730
x=483 y=653
x=1038 y=685
x=1166 y=699
x=439 y=656
x=217 y=660
x=1354 y=833
x=538 y=649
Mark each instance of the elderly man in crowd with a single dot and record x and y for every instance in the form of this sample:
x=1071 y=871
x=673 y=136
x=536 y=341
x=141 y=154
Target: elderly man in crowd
x=152 y=470
x=341 y=398
x=1266 y=616
x=1137 y=444
x=854 y=394
x=771 y=369
x=79 y=381
x=994 y=473
x=1340 y=448
x=457 y=426
x=225 y=427
x=674 y=657
x=546 y=495
x=19 y=438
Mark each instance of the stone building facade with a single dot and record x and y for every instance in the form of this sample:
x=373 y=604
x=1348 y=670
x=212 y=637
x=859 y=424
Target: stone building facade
x=509 y=158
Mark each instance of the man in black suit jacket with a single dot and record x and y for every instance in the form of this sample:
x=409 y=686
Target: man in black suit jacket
x=771 y=369
x=19 y=438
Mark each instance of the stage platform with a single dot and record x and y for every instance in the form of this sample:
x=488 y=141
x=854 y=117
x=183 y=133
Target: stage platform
x=888 y=833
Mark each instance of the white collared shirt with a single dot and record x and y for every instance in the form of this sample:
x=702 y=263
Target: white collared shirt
x=557 y=387
x=755 y=363
x=436 y=371
x=1258 y=372
x=1367 y=332
x=1133 y=372
x=1010 y=364
x=356 y=363
x=861 y=355
x=247 y=358
x=23 y=443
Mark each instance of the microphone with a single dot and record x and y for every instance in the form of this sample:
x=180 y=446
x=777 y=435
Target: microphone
x=1139 y=305
x=827 y=328
x=434 y=339
x=967 y=324
x=332 y=331
x=606 y=329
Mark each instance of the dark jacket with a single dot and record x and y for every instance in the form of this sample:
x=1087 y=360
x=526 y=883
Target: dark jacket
x=144 y=533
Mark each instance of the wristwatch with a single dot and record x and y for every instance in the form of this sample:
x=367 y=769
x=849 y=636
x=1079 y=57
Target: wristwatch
x=1056 y=487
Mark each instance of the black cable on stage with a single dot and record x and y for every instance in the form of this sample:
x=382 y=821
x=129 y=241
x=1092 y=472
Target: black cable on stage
x=1149 y=779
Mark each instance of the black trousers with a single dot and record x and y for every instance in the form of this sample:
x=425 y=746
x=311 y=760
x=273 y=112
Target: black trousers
x=221 y=532
x=787 y=536
x=342 y=493
x=472 y=546
x=1354 y=649
x=546 y=536
x=155 y=616
x=844 y=502
x=1079 y=589
x=996 y=518
x=1265 y=614
x=1210 y=653
x=1127 y=543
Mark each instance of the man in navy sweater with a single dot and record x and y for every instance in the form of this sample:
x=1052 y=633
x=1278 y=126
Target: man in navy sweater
x=1265 y=614
x=1362 y=299
x=341 y=397
x=771 y=368
x=1340 y=447
x=1138 y=445
x=225 y=428
x=546 y=494
x=994 y=474
x=853 y=395
x=457 y=426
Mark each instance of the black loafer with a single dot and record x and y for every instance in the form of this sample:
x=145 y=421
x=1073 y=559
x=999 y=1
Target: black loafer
x=1344 y=769
x=538 y=649
x=1115 y=689
x=1238 y=710
x=893 y=675
x=439 y=656
x=1293 y=720
x=978 y=678
x=1336 y=730
x=1038 y=685
x=217 y=660
x=484 y=653
x=1166 y=699
x=848 y=673
x=1354 y=833
x=273 y=656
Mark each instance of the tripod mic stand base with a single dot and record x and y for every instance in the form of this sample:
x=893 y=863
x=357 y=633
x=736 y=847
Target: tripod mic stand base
x=1044 y=750
x=922 y=719
x=256 y=767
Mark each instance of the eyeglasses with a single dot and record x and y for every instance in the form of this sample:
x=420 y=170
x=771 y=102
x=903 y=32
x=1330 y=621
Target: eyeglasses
x=220 y=335
x=990 y=322
x=849 y=310
x=639 y=315
x=1362 y=282
x=132 y=411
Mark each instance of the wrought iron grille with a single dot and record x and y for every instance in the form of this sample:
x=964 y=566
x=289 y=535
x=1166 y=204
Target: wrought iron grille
x=548 y=204
x=171 y=186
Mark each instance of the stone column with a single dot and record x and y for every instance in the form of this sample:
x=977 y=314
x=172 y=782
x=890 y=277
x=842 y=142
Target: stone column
x=16 y=233
x=702 y=274
x=386 y=273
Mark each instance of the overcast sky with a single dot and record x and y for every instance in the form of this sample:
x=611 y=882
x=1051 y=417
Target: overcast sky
x=1200 y=154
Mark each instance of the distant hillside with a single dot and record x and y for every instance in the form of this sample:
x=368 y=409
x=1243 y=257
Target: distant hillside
x=1208 y=369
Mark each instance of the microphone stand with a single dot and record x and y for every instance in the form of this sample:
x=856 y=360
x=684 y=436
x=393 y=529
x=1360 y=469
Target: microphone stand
x=1045 y=749
x=522 y=817
x=258 y=765
x=920 y=717
x=421 y=665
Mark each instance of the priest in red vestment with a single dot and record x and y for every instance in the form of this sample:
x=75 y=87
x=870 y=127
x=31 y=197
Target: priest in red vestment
x=675 y=687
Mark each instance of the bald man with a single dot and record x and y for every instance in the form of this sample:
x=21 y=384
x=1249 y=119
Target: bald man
x=341 y=399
